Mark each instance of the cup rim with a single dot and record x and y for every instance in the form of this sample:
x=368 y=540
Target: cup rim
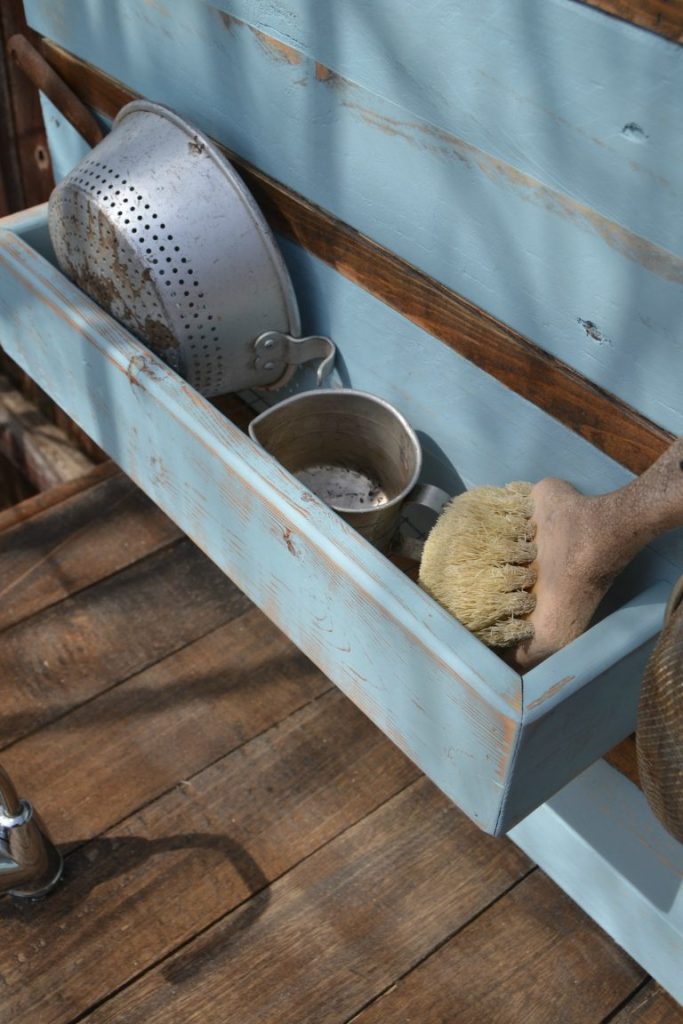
x=355 y=392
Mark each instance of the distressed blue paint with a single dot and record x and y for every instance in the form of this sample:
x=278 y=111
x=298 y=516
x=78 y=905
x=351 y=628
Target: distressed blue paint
x=600 y=842
x=603 y=300
x=447 y=700
x=545 y=85
x=71 y=148
x=431 y=686
x=582 y=701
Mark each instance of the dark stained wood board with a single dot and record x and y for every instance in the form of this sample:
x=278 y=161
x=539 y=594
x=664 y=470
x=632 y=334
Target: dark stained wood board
x=522 y=939
x=47 y=499
x=602 y=419
x=651 y=1005
x=70 y=546
x=665 y=17
x=83 y=645
x=25 y=167
x=177 y=865
x=168 y=721
x=337 y=928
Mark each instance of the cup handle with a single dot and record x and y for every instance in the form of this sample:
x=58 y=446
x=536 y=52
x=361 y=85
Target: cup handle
x=426 y=496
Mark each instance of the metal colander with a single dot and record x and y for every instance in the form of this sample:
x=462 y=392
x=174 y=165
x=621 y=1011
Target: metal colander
x=157 y=227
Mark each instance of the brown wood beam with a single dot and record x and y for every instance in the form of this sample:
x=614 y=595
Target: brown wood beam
x=25 y=167
x=608 y=423
x=665 y=17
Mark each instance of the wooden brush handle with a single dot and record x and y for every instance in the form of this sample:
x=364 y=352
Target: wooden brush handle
x=635 y=514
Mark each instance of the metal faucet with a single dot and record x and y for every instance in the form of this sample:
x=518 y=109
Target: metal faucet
x=30 y=864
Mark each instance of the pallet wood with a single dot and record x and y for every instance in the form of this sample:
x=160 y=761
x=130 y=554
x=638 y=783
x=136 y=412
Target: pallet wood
x=87 y=643
x=665 y=17
x=609 y=424
x=552 y=238
x=73 y=544
x=198 y=843
x=335 y=930
x=650 y=1006
x=60 y=492
x=179 y=864
x=532 y=941
x=169 y=721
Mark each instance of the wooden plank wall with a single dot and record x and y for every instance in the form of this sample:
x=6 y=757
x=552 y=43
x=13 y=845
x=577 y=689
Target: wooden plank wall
x=543 y=140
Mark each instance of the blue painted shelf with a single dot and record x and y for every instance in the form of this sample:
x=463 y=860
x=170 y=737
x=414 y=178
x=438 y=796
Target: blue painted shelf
x=498 y=744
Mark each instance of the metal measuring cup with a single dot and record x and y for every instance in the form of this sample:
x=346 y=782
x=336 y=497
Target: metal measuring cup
x=355 y=451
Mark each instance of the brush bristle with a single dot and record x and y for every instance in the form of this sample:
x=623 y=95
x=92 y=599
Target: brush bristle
x=476 y=562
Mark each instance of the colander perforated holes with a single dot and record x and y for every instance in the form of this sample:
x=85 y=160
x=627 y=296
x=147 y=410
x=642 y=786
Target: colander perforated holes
x=124 y=249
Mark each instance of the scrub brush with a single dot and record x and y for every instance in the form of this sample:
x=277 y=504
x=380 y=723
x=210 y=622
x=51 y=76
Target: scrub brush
x=525 y=566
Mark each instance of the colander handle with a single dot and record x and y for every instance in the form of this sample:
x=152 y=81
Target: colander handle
x=275 y=347
x=45 y=78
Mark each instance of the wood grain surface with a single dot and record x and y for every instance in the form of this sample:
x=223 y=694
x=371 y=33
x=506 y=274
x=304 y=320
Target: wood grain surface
x=83 y=645
x=521 y=939
x=182 y=862
x=73 y=544
x=338 y=928
x=47 y=499
x=605 y=421
x=650 y=1006
x=665 y=17
x=135 y=740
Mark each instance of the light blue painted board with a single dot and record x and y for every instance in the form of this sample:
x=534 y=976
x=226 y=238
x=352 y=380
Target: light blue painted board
x=70 y=149
x=446 y=700
x=548 y=86
x=582 y=701
x=599 y=841
x=531 y=255
x=152 y=428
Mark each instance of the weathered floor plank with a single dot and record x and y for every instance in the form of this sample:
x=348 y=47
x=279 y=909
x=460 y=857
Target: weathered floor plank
x=532 y=951
x=651 y=1005
x=75 y=544
x=241 y=843
x=139 y=892
x=124 y=748
x=87 y=643
x=48 y=499
x=336 y=930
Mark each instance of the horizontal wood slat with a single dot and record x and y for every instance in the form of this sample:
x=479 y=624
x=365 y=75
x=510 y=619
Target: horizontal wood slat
x=37 y=503
x=77 y=543
x=525 y=934
x=609 y=424
x=335 y=931
x=209 y=843
x=665 y=17
x=72 y=651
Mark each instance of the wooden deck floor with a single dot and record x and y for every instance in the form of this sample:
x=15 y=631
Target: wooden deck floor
x=241 y=843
